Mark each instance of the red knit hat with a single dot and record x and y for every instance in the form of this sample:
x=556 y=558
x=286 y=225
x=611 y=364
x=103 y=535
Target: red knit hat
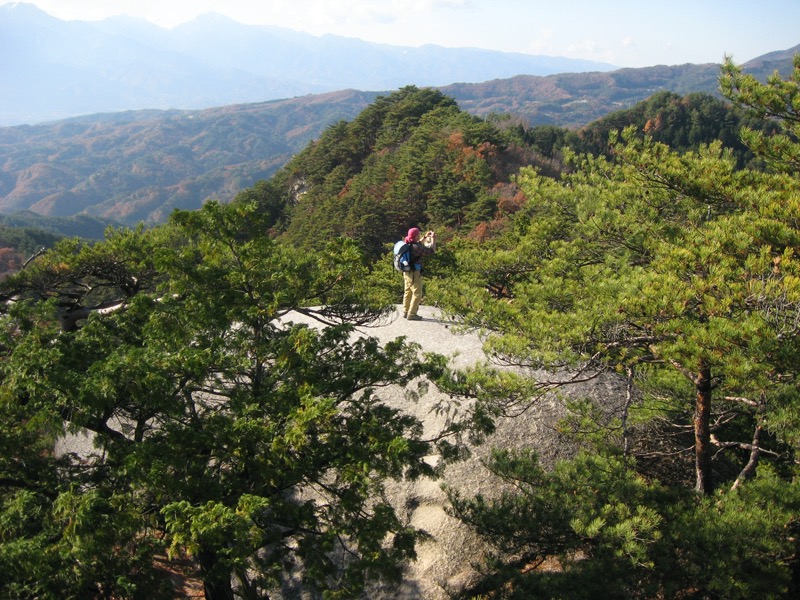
x=412 y=234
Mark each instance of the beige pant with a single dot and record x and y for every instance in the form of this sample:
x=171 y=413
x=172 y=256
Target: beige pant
x=412 y=295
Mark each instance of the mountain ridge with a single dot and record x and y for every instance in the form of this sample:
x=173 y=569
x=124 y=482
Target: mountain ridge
x=137 y=166
x=59 y=69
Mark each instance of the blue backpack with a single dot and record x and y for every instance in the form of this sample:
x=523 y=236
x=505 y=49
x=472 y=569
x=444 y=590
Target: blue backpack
x=402 y=257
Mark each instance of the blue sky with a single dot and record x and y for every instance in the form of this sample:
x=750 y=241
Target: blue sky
x=625 y=33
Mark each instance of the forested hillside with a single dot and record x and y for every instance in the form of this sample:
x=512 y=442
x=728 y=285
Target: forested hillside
x=20 y=244
x=573 y=100
x=410 y=158
x=683 y=123
x=25 y=234
x=138 y=166
x=245 y=451
x=414 y=157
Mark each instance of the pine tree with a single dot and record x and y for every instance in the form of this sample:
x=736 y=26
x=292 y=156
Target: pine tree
x=223 y=432
x=678 y=272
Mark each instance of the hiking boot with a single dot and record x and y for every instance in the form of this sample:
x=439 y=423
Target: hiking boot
x=414 y=318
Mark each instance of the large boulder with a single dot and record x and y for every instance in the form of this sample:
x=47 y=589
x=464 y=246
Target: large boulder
x=449 y=560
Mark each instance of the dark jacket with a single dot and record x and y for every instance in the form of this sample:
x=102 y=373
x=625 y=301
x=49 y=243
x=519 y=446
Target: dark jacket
x=418 y=250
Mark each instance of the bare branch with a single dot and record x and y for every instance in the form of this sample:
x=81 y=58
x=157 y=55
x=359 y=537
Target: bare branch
x=70 y=319
x=33 y=256
x=750 y=467
x=741 y=446
x=683 y=371
x=626 y=409
x=740 y=400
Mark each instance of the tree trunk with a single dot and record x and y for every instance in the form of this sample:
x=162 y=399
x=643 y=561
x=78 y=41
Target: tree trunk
x=216 y=581
x=755 y=450
x=702 y=431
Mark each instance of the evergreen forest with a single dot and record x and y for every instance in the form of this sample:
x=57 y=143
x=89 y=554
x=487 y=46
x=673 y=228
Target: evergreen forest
x=233 y=447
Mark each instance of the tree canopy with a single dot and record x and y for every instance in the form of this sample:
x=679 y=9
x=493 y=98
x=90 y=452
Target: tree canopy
x=228 y=440
x=411 y=158
x=221 y=431
x=678 y=271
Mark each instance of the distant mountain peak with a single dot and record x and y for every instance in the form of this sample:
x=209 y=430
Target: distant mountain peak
x=53 y=72
x=211 y=20
x=215 y=17
x=55 y=69
x=25 y=10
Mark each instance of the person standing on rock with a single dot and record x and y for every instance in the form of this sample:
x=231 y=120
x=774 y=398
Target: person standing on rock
x=413 y=279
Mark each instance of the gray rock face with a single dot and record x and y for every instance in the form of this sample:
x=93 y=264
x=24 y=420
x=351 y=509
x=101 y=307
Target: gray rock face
x=450 y=560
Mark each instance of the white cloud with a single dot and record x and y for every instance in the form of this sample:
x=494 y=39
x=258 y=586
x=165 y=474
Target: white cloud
x=541 y=45
x=429 y=5
x=583 y=48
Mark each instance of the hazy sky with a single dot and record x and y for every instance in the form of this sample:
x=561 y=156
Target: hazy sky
x=626 y=33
